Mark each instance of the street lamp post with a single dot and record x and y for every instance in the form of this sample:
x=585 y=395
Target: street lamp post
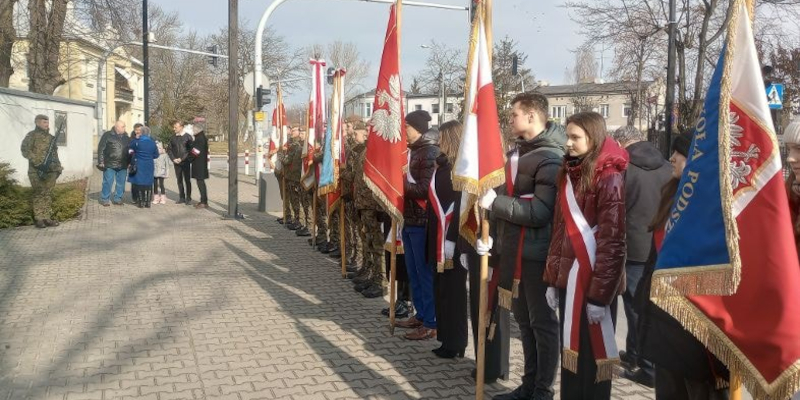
x=146 y=62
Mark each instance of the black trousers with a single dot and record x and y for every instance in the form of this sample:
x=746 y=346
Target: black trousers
x=582 y=386
x=158 y=182
x=183 y=172
x=538 y=328
x=450 y=298
x=672 y=387
x=201 y=185
x=497 y=349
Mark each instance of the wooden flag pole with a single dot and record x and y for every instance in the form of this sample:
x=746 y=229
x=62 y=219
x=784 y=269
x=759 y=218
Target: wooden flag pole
x=392 y=276
x=341 y=238
x=483 y=304
x=736 y=387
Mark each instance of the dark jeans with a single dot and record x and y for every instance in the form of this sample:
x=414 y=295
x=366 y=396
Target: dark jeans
x=420 y=275
x=450 y=297
x=673 y=387
x=538 y=328
x=183 y=172
x=633 y=274
x=582 y=385
x=201 y=185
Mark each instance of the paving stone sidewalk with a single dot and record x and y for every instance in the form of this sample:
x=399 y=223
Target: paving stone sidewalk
x=178 y=303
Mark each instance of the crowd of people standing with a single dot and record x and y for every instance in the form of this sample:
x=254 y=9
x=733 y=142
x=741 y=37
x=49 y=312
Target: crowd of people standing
x=145 y=162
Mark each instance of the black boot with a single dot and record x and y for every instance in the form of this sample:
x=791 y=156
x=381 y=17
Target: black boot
x=139 y=197
x=147 y=196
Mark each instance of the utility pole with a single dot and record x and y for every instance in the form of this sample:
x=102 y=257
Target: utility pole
x=146 y=62
x=233 y=110
x=670 y=100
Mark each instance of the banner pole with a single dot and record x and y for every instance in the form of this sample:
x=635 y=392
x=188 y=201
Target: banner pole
x=480 y=358
x=736 y=387
x=392 y=276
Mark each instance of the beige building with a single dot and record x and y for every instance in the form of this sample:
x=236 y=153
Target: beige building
x=611 y=100
x=122 y=81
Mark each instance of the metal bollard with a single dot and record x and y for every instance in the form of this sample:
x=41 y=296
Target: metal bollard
x=208 y=162
x=247 y=162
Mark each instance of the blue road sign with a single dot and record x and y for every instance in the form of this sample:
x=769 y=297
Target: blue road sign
x=775 y=96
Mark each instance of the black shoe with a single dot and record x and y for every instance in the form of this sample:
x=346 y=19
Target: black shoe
x=627 y=360
x=360 y=279
x=51 y=222
x=323 y=247
x=360 y=287
x=442 y=352
x=486 y=379
x=351 y=268
x=520 y=393
x=302 y=232
x=335 y=254
x=180 y=201
x=188 y=202
x=333 y=246
x=310 y=242
x=373 y=291
x=40 y=224
x=639 y=376
x=400 y=310
x=350 y=275
x=280 y=221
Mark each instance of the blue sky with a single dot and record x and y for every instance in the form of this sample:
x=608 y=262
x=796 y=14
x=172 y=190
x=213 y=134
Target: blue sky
x=542 y=28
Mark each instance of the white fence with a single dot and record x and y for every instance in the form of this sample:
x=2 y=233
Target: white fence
x=17 y=112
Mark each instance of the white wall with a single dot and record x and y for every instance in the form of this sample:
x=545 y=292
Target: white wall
x=17 y=112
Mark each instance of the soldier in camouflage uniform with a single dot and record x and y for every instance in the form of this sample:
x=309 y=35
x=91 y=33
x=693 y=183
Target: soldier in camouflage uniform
x=304 y=195
x=321 y=219
x=351 y=222
x=291 y=167
x=371 y=284
x=35 y=147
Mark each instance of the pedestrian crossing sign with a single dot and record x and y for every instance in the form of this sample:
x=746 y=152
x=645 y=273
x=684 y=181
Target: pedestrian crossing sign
x=775 y=96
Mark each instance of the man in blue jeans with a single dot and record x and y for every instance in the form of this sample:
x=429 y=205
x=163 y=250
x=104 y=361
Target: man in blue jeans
x=423 y=145
x=113 y=160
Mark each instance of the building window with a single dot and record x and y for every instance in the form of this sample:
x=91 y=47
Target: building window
x=449 y=108
x=367 y=110
x=604 y=110
x=435 y=109
x=418 y=107
x=558 y=112
x=61 y=124
x=626 y=110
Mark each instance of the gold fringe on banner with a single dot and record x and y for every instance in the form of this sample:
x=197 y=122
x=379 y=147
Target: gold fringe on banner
x=717 y=280
x=606 y=369
x=439 y=267
x=569 y=360
x=504 y=298
x=388 y=206
x=448 y=264
x=698 y=324
x=515 y=289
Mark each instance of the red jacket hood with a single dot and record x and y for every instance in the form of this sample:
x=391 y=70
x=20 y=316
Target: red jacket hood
x=612 y=156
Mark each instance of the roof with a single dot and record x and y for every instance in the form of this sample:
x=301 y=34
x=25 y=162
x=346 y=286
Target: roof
x=591 y=88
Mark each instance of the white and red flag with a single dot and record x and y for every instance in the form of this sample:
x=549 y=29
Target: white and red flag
x=480 y=164
x=316 y=122
x=386 y=153
x=728 y=269
x=278 y=137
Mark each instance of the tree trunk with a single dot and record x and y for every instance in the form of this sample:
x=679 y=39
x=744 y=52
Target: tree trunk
x=7 y=37
x=44 y=39
x=702 y=46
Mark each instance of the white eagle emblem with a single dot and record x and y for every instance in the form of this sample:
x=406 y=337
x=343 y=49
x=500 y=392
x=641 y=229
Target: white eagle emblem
x=386 y=122
x=741 y=169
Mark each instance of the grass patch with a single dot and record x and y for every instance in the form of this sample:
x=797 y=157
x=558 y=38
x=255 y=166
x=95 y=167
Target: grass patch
x=15 y=200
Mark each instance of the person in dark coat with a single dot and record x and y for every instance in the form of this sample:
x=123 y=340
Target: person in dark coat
x=522 y=215
x=198 y=157
x=791 y=137
x=450 y=278
x=423 y=149
x=647 y=173
x=684 y=368
x=178 y=150
x=144 y=151
x=595 y=166
x=113 y=159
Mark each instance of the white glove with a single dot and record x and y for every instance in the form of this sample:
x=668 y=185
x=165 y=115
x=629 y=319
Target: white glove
x=449 y=249
x=484 y=248
x=552 y=297
x=595 y=314
x=464 y=262
x=487 y=199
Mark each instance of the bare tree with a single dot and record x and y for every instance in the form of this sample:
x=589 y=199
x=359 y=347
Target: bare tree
x=345 y=55
x=447 y=62
x=585 y=68
x=506 y=84
x=7 y=37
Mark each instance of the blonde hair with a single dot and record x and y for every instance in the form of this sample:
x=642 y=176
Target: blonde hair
x=791 y=135
x=450 y=139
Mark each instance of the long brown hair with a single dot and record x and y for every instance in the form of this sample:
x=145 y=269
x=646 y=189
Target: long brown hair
x=668 y=192
x=595 y=127
x=450 y=139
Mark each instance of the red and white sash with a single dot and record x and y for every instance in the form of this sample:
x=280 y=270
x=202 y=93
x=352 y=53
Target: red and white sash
x=584 y=245
x=420 y=202
x=443 y=218
x=511 y=180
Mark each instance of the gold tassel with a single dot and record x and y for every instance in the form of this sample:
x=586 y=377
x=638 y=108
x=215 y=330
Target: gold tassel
x=569 y=360
x=605 y=369
x=439 y=267
x=504 y=298
x=448 y=264
x=491 y=331
x=515 y=288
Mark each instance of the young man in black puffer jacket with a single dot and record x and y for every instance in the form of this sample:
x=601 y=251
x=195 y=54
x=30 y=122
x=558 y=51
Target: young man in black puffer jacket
x=423 y=147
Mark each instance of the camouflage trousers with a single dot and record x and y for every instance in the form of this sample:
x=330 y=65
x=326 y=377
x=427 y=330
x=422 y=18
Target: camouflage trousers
x=293 y=193
x=333 y=225
x=42 y=194
x=321 y=218
x=306 y=197
x=372 y=239
x=352 y=226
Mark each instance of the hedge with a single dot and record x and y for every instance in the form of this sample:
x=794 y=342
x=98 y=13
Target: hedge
x=15 y=200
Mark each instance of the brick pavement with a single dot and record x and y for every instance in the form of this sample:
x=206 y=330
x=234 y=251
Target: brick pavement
x=176 y=303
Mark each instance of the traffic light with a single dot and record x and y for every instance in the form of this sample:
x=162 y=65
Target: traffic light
x=213 y=60
x=330 y=73
x=262 y=97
